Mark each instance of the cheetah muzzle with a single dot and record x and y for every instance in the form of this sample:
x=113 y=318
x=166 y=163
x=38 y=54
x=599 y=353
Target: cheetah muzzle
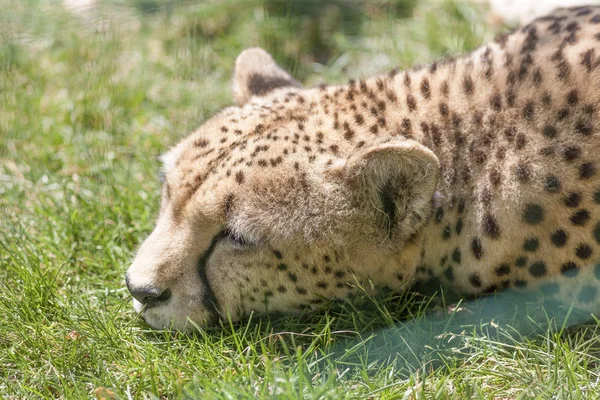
x=480 y=171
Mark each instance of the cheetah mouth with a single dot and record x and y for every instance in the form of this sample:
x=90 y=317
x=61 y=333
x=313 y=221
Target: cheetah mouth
x=140 y=309
x=153 y=316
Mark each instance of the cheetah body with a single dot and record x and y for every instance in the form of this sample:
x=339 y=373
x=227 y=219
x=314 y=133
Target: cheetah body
x=480 y=171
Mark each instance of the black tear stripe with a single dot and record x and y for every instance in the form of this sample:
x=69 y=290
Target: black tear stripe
x=387 y=198
x=209 y=300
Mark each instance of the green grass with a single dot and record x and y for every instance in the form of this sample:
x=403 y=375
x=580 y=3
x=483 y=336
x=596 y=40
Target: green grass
x=87 y=102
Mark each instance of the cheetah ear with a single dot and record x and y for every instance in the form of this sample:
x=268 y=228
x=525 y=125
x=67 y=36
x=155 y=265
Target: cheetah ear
x=257 y=74
x=395 y=182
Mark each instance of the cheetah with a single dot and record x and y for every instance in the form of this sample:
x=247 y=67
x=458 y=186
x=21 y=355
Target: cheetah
x=479 y=171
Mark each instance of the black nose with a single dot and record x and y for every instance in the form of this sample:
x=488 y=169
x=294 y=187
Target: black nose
x=148 y=295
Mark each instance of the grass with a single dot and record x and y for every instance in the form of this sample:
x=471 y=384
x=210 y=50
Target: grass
x=87 y=102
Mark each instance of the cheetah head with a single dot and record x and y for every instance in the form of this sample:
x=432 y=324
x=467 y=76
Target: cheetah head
x=274 y=206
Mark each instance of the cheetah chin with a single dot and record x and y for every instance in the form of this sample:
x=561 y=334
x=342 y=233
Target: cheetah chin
x=480 y=172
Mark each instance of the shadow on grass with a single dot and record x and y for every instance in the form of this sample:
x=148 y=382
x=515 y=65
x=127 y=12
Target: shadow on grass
x=440 y=339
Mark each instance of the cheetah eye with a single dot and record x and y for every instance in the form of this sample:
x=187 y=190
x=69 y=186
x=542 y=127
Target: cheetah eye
x=235 y=238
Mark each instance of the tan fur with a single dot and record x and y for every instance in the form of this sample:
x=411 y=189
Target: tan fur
x=480 y=171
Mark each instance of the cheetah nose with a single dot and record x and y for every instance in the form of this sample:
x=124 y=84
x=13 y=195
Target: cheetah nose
x=148 y=295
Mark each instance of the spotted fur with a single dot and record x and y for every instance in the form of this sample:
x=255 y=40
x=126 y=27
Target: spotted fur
x=480 y=171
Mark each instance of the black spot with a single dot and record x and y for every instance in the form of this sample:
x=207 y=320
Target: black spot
x=587 y=170
x=503 y=269
x=281 y=289
x=583 y=251
x=519 y=283
x=521 y=262
x=456 y=255
x=292 y=277
x=523 y=172
x=587 y=59
x=597 y=197
x=475 y=280
x=564 y=69
x=550 y=289
x=282 y=267
x=552 y=184
x=529 y=110
x=570 y=153
x=490 y=226
x=425 y=88
x=227 y=205
x=495 y=177
x=461 y=205
x=597 y=233
x=559 y=238
x=439 y=214
x=549 y=131
x=584 y=127
x=339 y=274
x=468 y=85
x=490 y=289
x=239 y=177
x=580 y=217
x=301 y=290
x=521 y=141
x=510 y=97
x=411 y=102
x=573 y=200
x=589 y=109
x=531 y=244
x=278 y=254
x=323 y=285
x=459 y=226
x=562 y=113
x=588 y=293
x=443 y=260
x=546 y=99
x=533 y=214
x=449 y=273
x=572 y=98
x=569 y=269
x=476 y=248
x=547 y=151
x=537 y=79
x=538 y=269
x=496 y=102
x=446 y=233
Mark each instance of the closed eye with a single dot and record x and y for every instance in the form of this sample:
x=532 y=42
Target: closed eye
x=235 y=238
